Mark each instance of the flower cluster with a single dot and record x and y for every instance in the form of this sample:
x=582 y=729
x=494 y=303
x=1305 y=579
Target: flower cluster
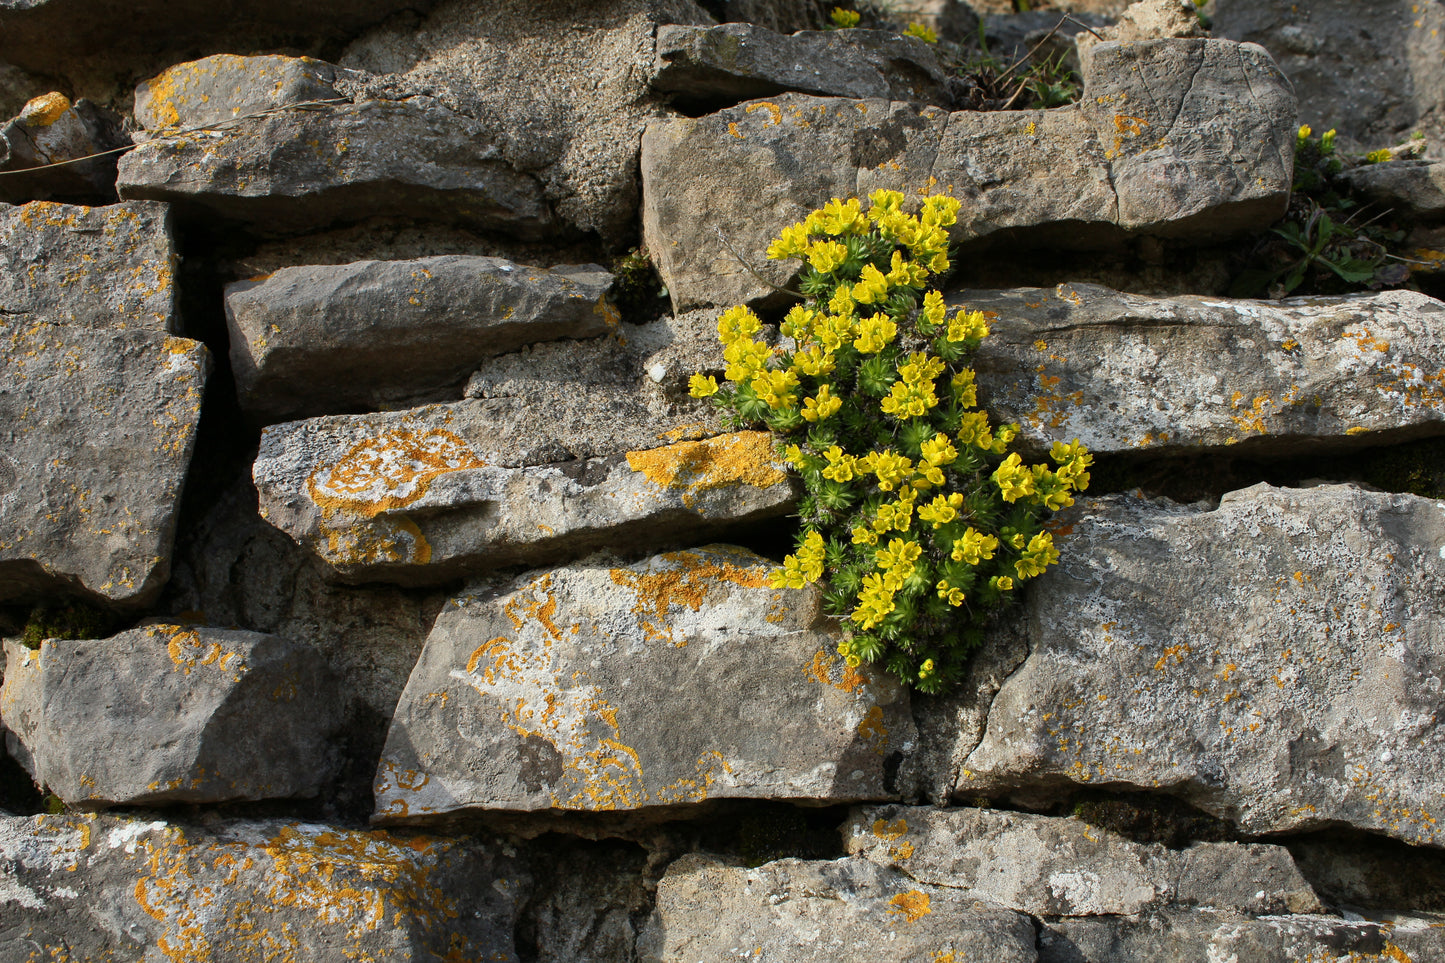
x=916 y=517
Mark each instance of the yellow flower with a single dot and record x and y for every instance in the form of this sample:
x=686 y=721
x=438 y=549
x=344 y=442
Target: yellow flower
x=974 y=547
x=875 y=334
x=872 y=286
x=906 y=272
x=793 y=242
x=745 y=359
x=700 y=386
x=965 y=392
x=814 y=361
x=823 y=405
x=890 y=468
x=973 y=430
x=1002 y=582
x=737 y=324
x=840 y=466
x=882 y=202
x=863 y=535
x=799 y=323
x=838 y=218
x=827 y=256
x=966 y=325
x=1038 y=556
x=842 y=301
x=951 y=594
x=933 y=309
x=938 y=450
x=775 y=388
x=940 y=210
x=1013 y=479
x=942 y=510
x=922 y=32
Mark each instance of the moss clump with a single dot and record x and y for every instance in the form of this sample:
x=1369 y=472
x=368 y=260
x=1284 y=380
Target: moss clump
x=637 y=290
x=66 y=620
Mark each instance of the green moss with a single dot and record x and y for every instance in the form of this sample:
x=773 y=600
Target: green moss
x=67 y=620
x=637 y=290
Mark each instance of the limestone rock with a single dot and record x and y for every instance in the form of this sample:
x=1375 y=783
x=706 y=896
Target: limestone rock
x=51 y=130
x=1172 y=137
x=416 y=497
x=822 y=911
x=98 y=267
x=1411 y=189
x=675 y=680
x=96 y=432
x=304 y=169
x=172 y=714
x=734 y=62
x=223 y=88
x=1050 y=866
x=1145 y=20
x=1123 y=372
x=1370 y=70
x=325 y=339
x=1269 y=661
x=105 y=887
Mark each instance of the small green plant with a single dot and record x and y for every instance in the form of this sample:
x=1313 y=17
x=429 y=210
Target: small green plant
x=1320 y=247
x=1027 y=84
x=68 y=620
x=915 y=514
x=922 y=32
x=843 y=19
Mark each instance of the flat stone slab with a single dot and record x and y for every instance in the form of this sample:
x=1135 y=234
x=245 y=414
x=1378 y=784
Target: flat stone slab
x=96 y=432
x=1409 y=188
x=98 y=267
x=335 y=338
x=1122 y=372
x=816 y=911
x=675 y=680
x=304 y=169
x=414 y=497
x=172 y=714
x=739 y=61
x=1052 y=866
x=1176 y=137
x=103 y=887
x=1270 y=661
x=224 y=87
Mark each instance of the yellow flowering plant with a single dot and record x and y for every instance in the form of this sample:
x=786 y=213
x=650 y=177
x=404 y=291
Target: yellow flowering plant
x=916 y=518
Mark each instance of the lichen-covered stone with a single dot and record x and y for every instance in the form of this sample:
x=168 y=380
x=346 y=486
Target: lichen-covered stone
x=416 y=497
x=88 y=266
x=172 y=714
x=326 y=339
x=1172 y=137
x=823 y=912
x=224 y=87
x=63 y=138
x=96 y=432
x=305 y=169
x=1270 y=661
x=602 y=686
x=110 y=888
x=1123 y=372
x=1051 y=866
x=739 y=61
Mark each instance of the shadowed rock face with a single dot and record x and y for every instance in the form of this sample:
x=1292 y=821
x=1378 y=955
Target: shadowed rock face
x=1123 y=372
x=171 y=714
x=676 y=680
x=1270 y=661
x=304 y=891
x=1172 y=137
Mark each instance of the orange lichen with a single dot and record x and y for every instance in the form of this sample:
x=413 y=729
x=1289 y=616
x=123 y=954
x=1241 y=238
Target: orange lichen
x=687 y=584
x=912 y=905
x=693 y=467
x=389 y=471
x=889 y=831
x=872 y=731
x=44 y=110
x=188 y=652
x=825 y=665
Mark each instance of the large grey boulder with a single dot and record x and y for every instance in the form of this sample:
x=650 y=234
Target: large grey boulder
x=96 y=432
x=1172 y=137
x=223 y=88
x=1123 y=372
x=603 y=686
x=172 y=714
x=1269 y=660
x=1370 y=70
x=327 y=339
x=821 y=912
x=415 y=498
x=304 y=169
x=738 y=61
x=106 y=887
x=1052 y=866
x=48 y=150
x=1411 y=189
x=97 y=267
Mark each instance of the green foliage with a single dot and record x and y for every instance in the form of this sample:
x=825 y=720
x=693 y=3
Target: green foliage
x=67 y=620
x=636 y=288
x=1027 y=84
x=915 y=512
x=1322 y=246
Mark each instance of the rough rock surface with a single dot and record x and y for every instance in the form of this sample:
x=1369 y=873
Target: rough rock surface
x=821 y=911
x=327 y=339
x=51 y=130
x=1270 y=661
x=415 y=497
x=736 y=61
x=103 y=887
x=1409 y=188
x=96 y=432
x=675 y=680
x=1172 y=137
x=1144 y=20
x=1123 y=372
x=304 y=169
x=1371 y=70
x=172 y=714
x=224 y=87
x=1051 y=866
x=98 y=267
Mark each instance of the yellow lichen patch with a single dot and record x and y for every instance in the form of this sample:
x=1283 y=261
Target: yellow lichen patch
x=1172 y=653
x=827 y=669
x=692 y=431
x=912 y=905
x=388 y=540
x=693 y=467
x=686 y=584
x=389 y=471
x=872 y=730
x=1253 y=417
x=605 y=309
x=44 y=110
x=188 y=651
x=773 y=110
x=887 y=831
x=945 y=956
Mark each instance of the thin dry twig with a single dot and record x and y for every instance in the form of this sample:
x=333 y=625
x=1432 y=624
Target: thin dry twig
x=749 y=268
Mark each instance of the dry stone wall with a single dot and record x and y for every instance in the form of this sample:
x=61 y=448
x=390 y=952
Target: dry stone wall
x=373 y=589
